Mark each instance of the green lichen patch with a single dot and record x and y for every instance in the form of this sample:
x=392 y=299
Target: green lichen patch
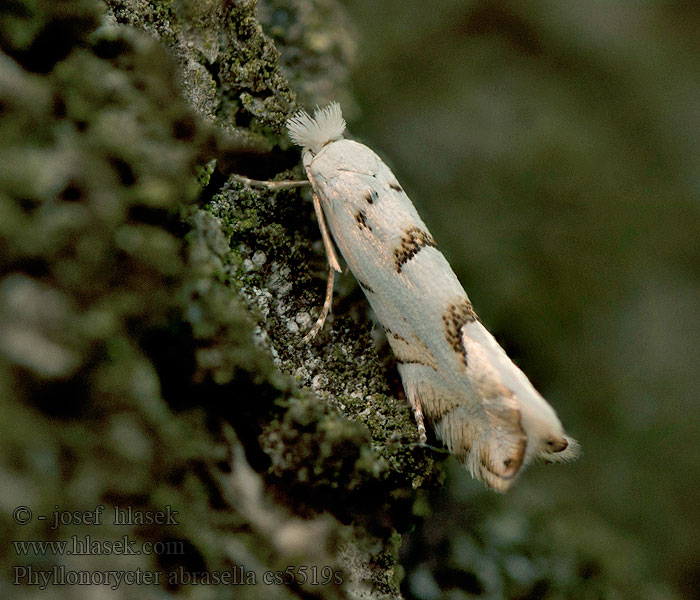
x=229 y=67
x=98 y=159
x=320 y=461
x=123 y=347
x=152 y=313
x=41 y=33
x=331 y=466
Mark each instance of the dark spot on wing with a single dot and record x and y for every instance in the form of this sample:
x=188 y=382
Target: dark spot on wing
x=365 y=287
x=361 y=218
x=412 y=242
x=415 y=362
x=396 y=187
x=558 y=445
x=410 y=352
x=396 y=336
x=454 y=318
x=371 y=196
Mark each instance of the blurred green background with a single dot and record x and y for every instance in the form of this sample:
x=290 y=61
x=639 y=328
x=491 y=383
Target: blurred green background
x=551 y=147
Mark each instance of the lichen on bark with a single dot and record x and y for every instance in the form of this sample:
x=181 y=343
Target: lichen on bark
x=152 y=310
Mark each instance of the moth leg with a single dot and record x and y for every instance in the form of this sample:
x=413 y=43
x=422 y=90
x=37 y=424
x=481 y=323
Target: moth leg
x=320 y=217
x=418 y=413
x=326 y=308
x=270 y=185
x=327 y=243
x=334 y=266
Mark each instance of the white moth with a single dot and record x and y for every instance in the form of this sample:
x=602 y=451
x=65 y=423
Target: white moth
x=454 y=372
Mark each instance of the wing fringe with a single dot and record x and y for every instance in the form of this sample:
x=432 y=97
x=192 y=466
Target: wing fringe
x=489 y=440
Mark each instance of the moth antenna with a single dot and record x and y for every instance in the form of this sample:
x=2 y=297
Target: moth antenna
x=312 y=133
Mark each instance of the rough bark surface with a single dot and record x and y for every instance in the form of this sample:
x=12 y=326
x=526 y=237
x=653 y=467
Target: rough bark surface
x=151 y=311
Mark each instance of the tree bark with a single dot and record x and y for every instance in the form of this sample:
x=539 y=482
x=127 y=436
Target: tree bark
x=152 y=310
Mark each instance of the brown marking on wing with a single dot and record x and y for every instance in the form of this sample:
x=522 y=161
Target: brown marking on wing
x=455 y=317
x=413 y=240
x=415 y=362
x=490 y=442
x=440 y=406
x=410 y=351
x=503 y=454
x=361 y=218
x=364 y=286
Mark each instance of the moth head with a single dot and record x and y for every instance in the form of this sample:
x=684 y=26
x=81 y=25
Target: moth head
x=313 y=133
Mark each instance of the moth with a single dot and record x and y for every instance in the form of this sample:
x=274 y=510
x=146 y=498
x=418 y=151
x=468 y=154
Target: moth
x=455 y=374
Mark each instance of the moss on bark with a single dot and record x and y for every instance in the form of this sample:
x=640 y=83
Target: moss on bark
x=151 y=313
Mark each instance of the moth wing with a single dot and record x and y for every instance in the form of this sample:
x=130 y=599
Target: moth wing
x=486 y=437
x=501 y=449
x=499 y=444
